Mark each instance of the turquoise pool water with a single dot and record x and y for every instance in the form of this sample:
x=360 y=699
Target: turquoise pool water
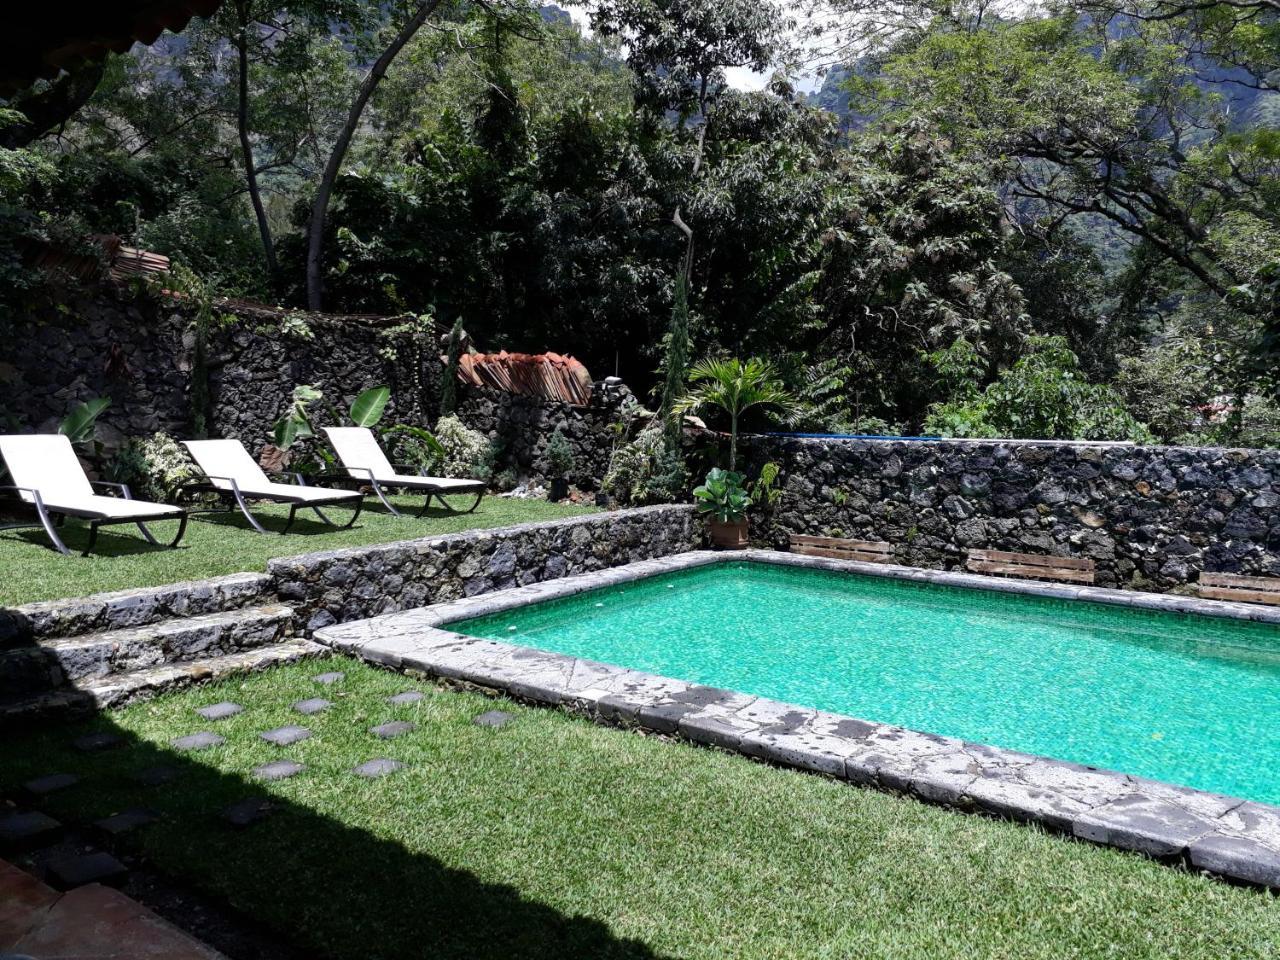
x=1190 y=700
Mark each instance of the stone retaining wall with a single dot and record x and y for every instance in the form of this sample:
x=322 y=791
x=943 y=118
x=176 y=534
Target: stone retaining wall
x=522 y=426
x=351 y=584
x=1151 y=517
x=139 y=350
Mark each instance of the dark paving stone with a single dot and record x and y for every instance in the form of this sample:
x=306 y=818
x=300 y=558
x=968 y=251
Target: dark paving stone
x=41 y=786
x=283 y=736
x=26 y=830
x=409 y=696
x=494 y=718
x=76 y=871
x=198 y=741
x=277 y=770
x=372 y=769
x=155 y=776
x=314 y=705
x=126 y=821
x=397 y=728
x=330 y=678
x=220 y=711
x=247 y=812
x=92 y=742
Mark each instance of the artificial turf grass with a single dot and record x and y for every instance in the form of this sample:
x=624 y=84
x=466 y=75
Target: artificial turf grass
x=223 y=543
x=555 y=837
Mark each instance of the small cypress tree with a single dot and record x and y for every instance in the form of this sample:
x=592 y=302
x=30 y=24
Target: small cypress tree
x=449 y=388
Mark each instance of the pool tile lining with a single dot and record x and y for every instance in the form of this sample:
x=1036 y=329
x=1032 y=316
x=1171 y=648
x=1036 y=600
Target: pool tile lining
x=1227 y=836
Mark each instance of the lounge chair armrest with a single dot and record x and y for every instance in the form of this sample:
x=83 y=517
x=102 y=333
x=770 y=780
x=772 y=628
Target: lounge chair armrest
x=122 y=489
x=20 y=490
x=409 y=468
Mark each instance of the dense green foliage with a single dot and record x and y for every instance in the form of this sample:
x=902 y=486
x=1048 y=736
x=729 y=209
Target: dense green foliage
x=968 y=182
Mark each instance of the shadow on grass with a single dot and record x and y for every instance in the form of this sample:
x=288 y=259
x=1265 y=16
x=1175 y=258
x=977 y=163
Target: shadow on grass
x=334 y=890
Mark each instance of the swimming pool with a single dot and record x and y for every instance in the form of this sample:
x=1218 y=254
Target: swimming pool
x=1187 y=699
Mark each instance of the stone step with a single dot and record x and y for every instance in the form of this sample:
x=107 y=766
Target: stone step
x=131 y=608
x=51 y=663
x=118 y=690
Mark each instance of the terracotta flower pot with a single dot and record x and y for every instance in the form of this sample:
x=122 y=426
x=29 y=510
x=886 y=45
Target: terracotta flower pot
x=729 y=536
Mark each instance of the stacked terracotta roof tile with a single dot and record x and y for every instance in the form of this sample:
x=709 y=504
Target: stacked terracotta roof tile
x=549 y=376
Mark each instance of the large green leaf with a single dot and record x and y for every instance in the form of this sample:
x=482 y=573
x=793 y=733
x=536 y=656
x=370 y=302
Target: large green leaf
x=368 y=407
x=79 y=424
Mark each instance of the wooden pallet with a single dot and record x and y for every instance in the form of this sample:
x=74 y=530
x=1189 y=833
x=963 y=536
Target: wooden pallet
x=838 y=548
x=1234 y=586
x=1032 y=565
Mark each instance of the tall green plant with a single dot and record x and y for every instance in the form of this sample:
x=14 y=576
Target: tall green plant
x=677 y=362
x=735 y=386
x=81 y=423
x=449 y=385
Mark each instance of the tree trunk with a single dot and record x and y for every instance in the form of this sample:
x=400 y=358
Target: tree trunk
x=320 y=208
x=246 y=149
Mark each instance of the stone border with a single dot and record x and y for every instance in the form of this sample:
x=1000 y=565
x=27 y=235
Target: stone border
x=1230 y=837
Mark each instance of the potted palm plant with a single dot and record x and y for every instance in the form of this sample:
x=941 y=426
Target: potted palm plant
x=734 y=387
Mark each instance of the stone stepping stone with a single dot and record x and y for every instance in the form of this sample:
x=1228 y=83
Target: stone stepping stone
x=93 y=742
x=155 y=776
x=204 y=740
x=277 y=770
x=283 y=736
x=27 y=830
x=494 y=718
x=77 y=870
x=329 y=679
x=409 y=696
x=313 y=705
x=126 y=821
x=397 y=728
x=372 y=769
x=246 y=812
x=42 y=786
x=220 y=711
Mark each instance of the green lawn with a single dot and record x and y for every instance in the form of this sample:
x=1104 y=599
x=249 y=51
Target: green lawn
x=224 y=543
x=557 y=838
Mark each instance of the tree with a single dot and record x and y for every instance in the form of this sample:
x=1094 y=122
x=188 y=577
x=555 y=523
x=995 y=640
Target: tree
x=324 y=190
x=678 y=51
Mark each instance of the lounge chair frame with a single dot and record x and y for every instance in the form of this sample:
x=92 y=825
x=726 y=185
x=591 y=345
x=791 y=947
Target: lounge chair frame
x=51 y=517
x=237 y=498
x=366 y=476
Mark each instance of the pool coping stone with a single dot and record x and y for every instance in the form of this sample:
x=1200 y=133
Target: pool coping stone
x=1227 y=836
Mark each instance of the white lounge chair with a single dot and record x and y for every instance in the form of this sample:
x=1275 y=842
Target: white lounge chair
x=48 y=477
x=363 y=459
x=234 y=476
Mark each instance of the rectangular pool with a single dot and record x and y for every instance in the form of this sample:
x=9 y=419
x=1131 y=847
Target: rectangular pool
x=1188 y=699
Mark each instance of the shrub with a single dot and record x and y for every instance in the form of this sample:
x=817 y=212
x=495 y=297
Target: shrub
x=465 y=451
x=1043 y=396
x=643 y=471
x=560 y=454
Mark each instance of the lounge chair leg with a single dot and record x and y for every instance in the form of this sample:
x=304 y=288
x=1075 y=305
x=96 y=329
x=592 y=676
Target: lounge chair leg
x=426 y=505
x=293 y=515
x=93 y=538
x=244 y=508
x=182 y=529
x=387 y=503
x=48 y=525
x=445 y=503
x=343 y=526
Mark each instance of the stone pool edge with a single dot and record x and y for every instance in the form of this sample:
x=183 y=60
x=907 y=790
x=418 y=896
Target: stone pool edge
x=1234 y=838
